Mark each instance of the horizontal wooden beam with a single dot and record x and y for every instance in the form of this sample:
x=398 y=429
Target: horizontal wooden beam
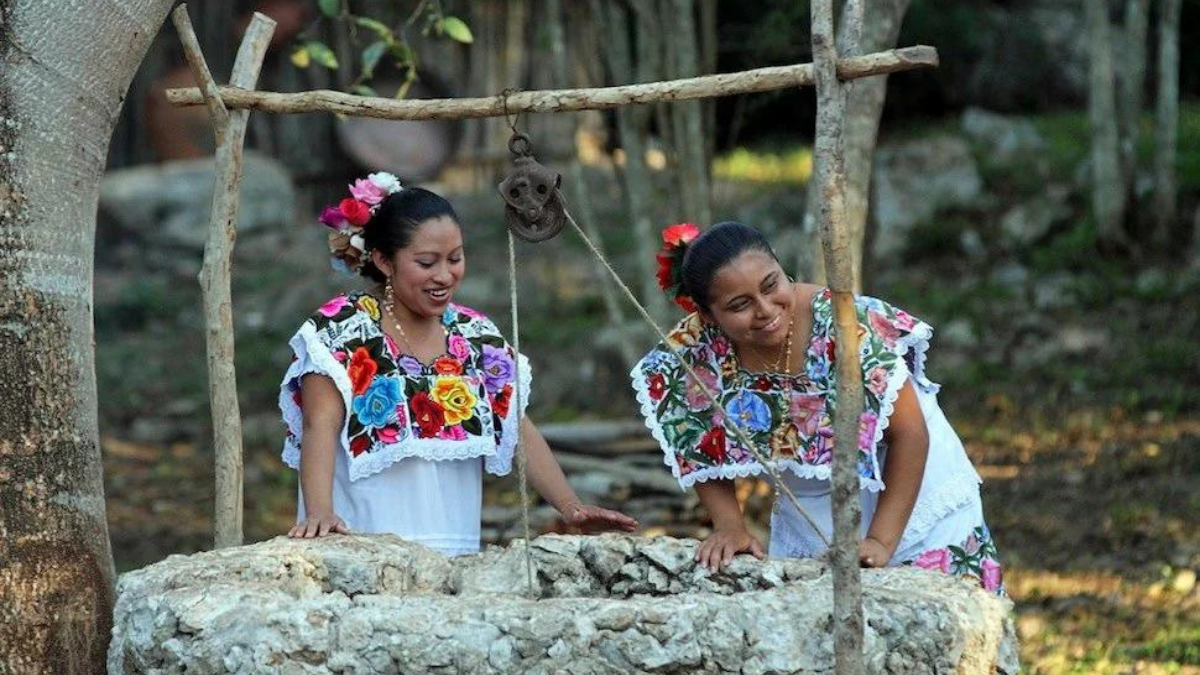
x=562 y=100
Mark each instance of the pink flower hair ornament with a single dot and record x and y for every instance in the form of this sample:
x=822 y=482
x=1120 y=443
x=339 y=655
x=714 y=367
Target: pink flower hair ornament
x=347 y=218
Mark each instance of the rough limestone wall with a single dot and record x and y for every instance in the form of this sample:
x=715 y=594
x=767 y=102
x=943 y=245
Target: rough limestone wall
x=612 y=604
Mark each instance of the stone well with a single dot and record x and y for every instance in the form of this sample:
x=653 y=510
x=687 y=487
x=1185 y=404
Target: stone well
x=607 y=604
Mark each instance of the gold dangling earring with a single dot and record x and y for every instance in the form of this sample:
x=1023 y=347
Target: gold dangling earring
x=387 y=295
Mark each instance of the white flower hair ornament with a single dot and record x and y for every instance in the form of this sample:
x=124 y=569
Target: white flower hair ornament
x=346 y=219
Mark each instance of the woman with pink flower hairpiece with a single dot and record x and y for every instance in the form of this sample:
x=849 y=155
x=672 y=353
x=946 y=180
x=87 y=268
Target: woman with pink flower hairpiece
x=763 y=347
x=397 y=399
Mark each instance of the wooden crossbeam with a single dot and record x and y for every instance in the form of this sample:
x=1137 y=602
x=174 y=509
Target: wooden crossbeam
x=562 y=100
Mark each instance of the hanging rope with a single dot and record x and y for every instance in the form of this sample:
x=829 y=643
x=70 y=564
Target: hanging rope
x=522 y=458
x=535 y=211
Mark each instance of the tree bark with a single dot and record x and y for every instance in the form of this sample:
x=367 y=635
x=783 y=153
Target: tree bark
x=709 y=41
x=64 y=77
x=615 y=24
x=864 y=107
x=1166 y=128
x=838 y=250
x=582 y=206
x=1133 y=82
x=1108 y=196
x=689 y=118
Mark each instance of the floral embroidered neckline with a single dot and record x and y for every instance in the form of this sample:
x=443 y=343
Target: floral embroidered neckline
x=409 y=363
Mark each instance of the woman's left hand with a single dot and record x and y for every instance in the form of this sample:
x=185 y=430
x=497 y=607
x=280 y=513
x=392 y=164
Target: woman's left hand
x=872 y=553
x=590 y=518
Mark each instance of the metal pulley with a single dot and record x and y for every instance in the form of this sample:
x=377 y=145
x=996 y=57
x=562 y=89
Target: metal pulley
x=534 y=209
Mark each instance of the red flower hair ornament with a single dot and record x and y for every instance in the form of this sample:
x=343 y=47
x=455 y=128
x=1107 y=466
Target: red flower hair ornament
x=670 y=262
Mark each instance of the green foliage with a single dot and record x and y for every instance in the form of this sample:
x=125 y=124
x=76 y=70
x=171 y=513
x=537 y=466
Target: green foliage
x=371 y=56
x=322 y=54
x=456 y=29
x=1175 y=644
x=390 y=41
x=329 y=7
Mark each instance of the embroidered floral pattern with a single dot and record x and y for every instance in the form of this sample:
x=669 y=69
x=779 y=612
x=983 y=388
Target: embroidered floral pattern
x=974 y=558
x=789 y=417
x=462 y=395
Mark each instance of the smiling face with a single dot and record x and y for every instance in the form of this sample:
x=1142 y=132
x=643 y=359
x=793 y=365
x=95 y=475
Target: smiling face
x=426 y=272
x=752 y=300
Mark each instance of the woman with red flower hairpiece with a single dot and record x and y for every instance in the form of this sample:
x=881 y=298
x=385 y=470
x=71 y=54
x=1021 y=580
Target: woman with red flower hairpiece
x=763 y=348
x=398 y=399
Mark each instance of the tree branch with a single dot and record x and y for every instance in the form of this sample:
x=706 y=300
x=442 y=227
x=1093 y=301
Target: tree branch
x=195 y=58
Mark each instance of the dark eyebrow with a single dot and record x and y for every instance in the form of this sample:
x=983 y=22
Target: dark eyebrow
x=460 y=249
x=729 y=302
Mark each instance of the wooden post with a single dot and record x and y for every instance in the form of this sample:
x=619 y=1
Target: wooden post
x=230 y=130
x=838 y=250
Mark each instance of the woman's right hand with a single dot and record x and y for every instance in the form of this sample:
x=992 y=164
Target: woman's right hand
x=720 y=547
x=319 y=525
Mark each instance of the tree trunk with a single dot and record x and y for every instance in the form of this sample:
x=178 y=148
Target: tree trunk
x=631 y=123
x=709 y=42
x=688 y=117
x=864 y=106
x=1133 y=83
x=1108 y=197
x=1166 y=135
x=64 y=77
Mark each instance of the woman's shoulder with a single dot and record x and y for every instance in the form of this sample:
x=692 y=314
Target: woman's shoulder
x=469 y=321
x=345 y=307
x=691 y=336
x=877 y=313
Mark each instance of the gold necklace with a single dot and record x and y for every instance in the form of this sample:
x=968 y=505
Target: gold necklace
x=785 y=352
x=388 y=303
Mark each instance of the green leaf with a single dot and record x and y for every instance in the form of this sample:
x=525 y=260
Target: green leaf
x=364 y=90
x=410 y=388
x=322 y=54
x=301 y=58
x=378 y=27
x=457 y=30
x=473 y=425
x=330 y=7
x=371 y=56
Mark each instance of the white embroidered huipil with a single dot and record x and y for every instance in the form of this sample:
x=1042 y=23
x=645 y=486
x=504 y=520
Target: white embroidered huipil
x=787 y=418
x=416 y=437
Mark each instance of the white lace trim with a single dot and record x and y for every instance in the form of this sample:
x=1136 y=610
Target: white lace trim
x=728 y=471
x=918 y=341
x=313 y=356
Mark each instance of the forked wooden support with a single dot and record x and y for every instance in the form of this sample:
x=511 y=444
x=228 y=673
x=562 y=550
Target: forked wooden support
x=829 y=151
x=230 y=130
